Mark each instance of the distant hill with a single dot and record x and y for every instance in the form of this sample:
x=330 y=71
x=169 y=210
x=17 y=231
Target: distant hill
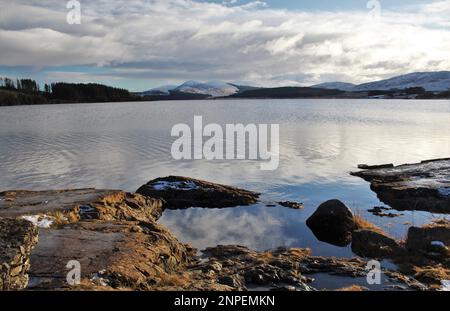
x=288 y=92
x=418 y=85
x=162 y=90
x=336 y=86
x=244 y=88
x=430 y=81
x=213 y=89
x=209 y=89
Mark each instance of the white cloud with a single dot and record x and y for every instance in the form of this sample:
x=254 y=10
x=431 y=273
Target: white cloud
x=183 y=39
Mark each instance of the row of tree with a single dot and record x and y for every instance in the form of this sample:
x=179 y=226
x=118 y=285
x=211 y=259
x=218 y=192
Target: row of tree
x=89 y=93
x=22 y=85
x=28 y=91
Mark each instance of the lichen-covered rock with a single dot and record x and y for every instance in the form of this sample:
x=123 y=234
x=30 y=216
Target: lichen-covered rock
x=183 y=192
x=17 y=238
x=333 y=222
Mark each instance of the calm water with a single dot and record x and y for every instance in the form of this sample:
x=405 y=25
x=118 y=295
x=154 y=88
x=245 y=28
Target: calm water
x=123 y=145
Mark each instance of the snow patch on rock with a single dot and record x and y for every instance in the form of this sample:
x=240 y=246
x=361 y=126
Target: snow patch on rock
x=41 y=221
x=445 y=286
x=176 y=185
x=98 y=278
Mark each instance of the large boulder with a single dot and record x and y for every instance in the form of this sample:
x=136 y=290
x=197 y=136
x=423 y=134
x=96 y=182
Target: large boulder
x=428 y=238
x=333 y=222
x=184 y=192
x=17 y=239
x=371 y=244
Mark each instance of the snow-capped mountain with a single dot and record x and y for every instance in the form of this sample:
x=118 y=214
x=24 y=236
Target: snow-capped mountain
x=430 y=81
x=336 y=86
x=214 y=88
x=162 y=90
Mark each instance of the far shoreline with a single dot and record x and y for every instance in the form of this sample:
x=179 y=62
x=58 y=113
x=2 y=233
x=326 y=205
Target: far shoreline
x=228 y=99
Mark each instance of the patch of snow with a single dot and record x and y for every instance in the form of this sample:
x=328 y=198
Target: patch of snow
x=41 y=221
x=98 y=279
x=444 y=192
x=177 y=185
x=431 y=81
x=214 y=88
x=445 y=286
x=162 y=90
x=438 y=244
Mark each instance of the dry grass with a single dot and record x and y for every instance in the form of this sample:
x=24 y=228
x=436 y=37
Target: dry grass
x=438 y=222
x=352 y=288
x=266 y=256
x=432 y=275
x=173 y=280
x=60 y=219
x=300 y=252
x=364 y=224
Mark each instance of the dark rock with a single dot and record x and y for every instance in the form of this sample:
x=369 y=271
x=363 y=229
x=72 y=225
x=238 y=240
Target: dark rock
x=234 y=281
x=183 y=192
x=382 y=212
x=371 y=244
x=424 y=186
x=293 y=205
x=421 y=239
x=17 y=239
x=374 y=167
x=333 y=223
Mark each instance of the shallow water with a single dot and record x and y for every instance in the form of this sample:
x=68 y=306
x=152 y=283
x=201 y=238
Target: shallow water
x=123 y=145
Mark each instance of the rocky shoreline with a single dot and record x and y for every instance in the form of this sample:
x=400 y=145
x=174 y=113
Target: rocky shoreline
x=117 y=240
x=422 y=186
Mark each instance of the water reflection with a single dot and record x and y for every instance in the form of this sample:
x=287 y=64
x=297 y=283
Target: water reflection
x=123 y=145
x=258 y=227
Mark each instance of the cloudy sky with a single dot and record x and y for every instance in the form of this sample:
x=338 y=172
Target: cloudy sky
x=140 y=44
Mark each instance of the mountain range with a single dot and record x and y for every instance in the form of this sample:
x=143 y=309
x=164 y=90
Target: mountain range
x=430 y=81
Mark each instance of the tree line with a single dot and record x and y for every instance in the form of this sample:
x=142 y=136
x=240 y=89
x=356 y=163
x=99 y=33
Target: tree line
x=28 y=92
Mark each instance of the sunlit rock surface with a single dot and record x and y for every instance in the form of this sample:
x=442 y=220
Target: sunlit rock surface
x=17 y=239
x=423 y=186
x=119 y=245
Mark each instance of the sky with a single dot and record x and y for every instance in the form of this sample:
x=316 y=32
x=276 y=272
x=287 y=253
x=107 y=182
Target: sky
x=143 y=44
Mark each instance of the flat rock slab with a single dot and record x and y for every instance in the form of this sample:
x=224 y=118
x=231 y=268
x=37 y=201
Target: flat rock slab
x=78 y=204
x=423 y=186
x=183 y=192
x=133 y=255
x=18 y=203
x=17 y=238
